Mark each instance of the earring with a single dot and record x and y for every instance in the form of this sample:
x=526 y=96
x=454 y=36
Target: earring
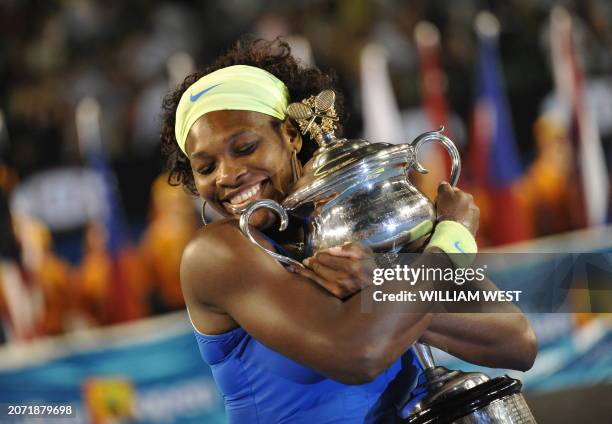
x=203 y=213
x=296 y=166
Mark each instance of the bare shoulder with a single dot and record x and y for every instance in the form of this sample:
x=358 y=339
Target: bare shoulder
x=214 y=241
x=207 y=257
x=217 y=261
x=207 y=267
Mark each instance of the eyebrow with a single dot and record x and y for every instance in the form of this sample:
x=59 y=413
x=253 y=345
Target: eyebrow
x=229 y=139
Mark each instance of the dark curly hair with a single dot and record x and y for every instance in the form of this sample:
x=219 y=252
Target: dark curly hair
x=272 y=56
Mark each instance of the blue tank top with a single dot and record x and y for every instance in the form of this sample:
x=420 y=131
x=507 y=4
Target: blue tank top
x=261 y=386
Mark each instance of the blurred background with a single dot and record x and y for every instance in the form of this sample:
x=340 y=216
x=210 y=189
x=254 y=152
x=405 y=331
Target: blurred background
x=91 y=235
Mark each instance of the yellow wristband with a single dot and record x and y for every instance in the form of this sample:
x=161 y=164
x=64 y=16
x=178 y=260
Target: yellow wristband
x=456 y=241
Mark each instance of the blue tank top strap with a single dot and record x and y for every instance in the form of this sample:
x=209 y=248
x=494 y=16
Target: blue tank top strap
x=216 y=347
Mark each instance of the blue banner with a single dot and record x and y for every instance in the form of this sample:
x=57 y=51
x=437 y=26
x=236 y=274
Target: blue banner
x=160 y=380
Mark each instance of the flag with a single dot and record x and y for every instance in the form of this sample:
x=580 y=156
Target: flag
x=433 y=81
x=382 y=121
x=493 y=161
x=120 y=303
x=590 y=167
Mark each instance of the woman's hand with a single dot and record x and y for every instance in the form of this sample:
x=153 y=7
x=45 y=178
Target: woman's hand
x=453 y=204
x=341 y=270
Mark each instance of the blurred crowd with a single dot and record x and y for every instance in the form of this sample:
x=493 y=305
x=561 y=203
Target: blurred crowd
x=41 y=293
x=128 y=55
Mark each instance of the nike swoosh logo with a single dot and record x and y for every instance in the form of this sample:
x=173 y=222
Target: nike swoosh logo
x=457 y=247
x=195 y=97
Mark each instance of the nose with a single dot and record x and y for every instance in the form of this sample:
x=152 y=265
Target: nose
x=229 y=173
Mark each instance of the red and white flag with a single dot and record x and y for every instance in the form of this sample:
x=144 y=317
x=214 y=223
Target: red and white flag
x=569 y=85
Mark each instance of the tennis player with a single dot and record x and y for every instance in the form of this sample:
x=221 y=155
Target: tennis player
x=295 y=347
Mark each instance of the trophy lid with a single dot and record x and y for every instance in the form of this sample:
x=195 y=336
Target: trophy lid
x=338 y=161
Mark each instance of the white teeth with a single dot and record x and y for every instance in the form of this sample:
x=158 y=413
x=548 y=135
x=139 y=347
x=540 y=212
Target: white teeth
x=240 y=198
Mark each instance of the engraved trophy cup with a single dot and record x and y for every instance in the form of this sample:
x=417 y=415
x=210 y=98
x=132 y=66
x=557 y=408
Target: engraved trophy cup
x=354 y=190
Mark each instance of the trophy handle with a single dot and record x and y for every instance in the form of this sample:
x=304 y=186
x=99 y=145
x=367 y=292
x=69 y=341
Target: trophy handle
x=448 y=145
x=281 y=212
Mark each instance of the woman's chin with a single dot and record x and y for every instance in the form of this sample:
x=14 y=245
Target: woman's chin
x=260 y=219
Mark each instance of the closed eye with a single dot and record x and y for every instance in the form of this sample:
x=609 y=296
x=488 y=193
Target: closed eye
x=206 y=169
x=246 y=149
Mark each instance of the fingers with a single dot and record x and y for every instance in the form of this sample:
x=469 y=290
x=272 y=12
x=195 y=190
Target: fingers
x=311 y=275
x=343 y=270
x=476 y=218
x=305 y=272
x=320 y=275
x=347 y=265
x=325 y=271
x=456 y=205
x=448 y=190
x=341 y=251
x=444 y=187
x=350 y=249
x=445 y=193
x=353 y=258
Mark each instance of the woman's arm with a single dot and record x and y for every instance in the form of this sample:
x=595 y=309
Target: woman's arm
x=292 y=315
x=497 y=340
x=499 y=335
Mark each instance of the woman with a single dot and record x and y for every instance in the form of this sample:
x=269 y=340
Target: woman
x=294 y=346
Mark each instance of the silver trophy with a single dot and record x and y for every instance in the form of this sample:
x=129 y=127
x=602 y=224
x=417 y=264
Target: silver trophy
x=354 y=190
x=456 y=397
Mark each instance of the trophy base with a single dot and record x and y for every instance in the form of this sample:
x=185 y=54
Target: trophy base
x=496 y=401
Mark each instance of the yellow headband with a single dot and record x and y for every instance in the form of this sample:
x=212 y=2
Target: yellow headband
x=238 y=87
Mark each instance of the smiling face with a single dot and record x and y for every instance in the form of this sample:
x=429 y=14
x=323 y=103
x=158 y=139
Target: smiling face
x=238 y=157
